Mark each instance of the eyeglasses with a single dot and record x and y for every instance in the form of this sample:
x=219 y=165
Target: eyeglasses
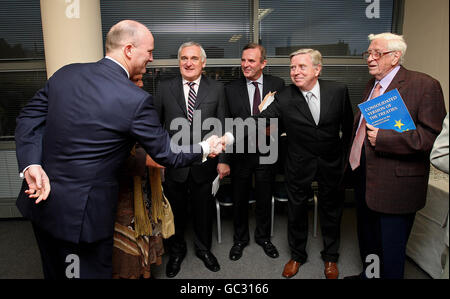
x=375 y=54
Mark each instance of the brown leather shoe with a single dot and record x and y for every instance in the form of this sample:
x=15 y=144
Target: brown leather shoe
x=291 y=268
x=331 y=270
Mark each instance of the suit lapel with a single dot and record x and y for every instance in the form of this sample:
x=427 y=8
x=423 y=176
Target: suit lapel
x=398 y=81
x=326 y=97
x=300 y=102
x=178 y=93
x=243 y=96
x=266 y=86
x=202 y=92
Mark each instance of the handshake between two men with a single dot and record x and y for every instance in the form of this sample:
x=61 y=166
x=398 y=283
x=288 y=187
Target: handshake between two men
x=39 y=183
x=217 y=144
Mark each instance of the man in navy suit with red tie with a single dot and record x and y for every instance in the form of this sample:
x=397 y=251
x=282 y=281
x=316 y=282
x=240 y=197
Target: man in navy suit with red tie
x=73 y=136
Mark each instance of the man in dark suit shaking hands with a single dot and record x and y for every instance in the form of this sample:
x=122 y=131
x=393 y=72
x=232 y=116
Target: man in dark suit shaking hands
x=192 y=98
x=74 y=135
x=243 y=98
x=317 y=118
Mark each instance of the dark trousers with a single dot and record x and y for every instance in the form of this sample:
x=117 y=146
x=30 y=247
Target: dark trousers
x=62 y=259
x=385 y=235
x=201 y=204
x=242 y=188
x=330 y=208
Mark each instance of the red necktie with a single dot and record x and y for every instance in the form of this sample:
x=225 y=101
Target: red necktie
x=355 y=153
x=256 y=99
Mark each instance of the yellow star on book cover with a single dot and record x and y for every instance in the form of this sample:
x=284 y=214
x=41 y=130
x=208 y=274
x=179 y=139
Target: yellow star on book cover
x=398 y=123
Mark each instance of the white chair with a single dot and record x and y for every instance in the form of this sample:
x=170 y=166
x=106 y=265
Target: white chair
x=280 y=194
x=224 y=198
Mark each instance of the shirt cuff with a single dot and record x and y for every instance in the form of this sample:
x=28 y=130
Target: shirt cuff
x=205 y=149
x=22 y=175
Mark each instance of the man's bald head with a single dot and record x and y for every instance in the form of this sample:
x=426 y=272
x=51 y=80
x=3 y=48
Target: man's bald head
x=131 y=44
x=126 y=31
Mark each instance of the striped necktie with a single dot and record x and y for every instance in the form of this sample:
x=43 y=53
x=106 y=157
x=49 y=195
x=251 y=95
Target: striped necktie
x=191 y=101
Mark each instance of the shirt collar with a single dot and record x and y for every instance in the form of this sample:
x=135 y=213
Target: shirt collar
x=259 y=80
x=315 y=91
x=110 y=58
x=197 y=81
x=386 y=81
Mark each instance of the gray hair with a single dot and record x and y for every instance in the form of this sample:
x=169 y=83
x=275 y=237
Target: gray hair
x=395 y=42
x=123 y=32
x=316 y=57
x=190 y=44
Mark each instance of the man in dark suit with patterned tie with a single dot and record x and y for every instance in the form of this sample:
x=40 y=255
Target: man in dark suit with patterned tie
x=192 y=98
x=73 y=136
x=317 y=118
x=243 y=98
x=391 y=169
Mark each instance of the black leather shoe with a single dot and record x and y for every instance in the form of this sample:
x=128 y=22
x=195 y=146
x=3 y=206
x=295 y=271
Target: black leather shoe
x=209 y=260
x=236 y=251
x=269 y=249
x=173 y=265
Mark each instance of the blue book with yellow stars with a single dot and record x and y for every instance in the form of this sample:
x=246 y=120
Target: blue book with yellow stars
x=387 y=111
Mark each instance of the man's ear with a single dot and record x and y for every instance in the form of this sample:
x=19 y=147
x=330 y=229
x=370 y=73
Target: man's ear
x=127 y=50
x=318 y=70
x=397 y=55
x=263 y=64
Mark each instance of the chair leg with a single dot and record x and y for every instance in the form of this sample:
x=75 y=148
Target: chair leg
x=315 y=214
x=219 y=228
x=273 y=212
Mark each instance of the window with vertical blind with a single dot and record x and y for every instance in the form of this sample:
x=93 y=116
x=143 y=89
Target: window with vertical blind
x=222 y=27
x=20 y=29
x=338 y=28
x=335 y=28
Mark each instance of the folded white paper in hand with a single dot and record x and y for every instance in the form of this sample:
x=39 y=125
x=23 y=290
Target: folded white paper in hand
x=215 y=185
x=268 y=99
x=229 y=138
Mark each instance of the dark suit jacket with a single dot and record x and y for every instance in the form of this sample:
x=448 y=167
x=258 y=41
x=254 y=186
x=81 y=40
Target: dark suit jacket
x=170 y=104
x=238 y=104
x=397 y=169
x=80 y=127
x=314 y=149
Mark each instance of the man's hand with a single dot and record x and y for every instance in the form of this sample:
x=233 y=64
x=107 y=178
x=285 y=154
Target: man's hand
x=149 y=162
x=216 y=145
x=223 y=170
x=372 y=133
x=271 y=129
x=38 y=183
